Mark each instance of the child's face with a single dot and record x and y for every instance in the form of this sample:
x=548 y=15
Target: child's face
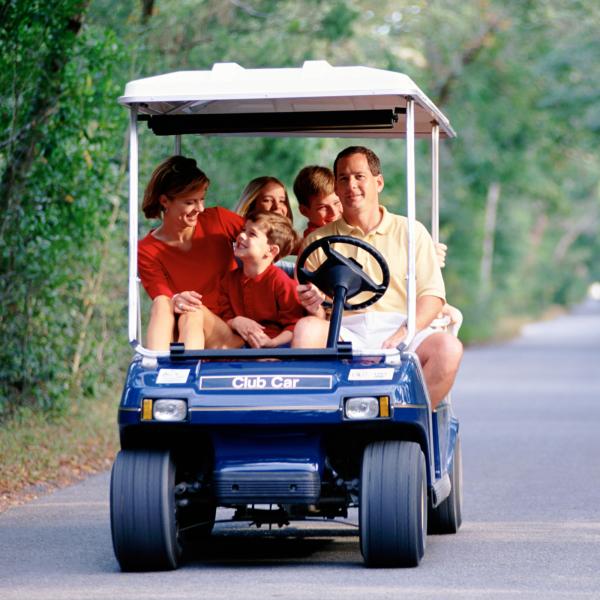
x=252 y=243
x=323 y=211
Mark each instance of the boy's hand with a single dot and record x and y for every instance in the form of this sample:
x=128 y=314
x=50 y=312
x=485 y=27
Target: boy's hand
x=186 y=302
x=440 y=250
x=245 y=327
x=310 y=297
x=259 y=339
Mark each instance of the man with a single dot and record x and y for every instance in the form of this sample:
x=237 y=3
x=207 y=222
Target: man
x=358 y=182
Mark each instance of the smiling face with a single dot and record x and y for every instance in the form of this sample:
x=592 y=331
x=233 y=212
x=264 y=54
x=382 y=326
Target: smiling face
x=272 y=199
x=357 y=188
x=252 y=244
x=182 y=211
x=323 y=210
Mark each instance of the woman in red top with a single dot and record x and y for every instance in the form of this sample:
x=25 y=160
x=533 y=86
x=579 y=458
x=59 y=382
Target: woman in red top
x=182 y=262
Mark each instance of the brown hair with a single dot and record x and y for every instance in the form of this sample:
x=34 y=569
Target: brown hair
x=374 y=164
x=175 y=176
x=277 y=228
x=247 y=202
x=313 y=182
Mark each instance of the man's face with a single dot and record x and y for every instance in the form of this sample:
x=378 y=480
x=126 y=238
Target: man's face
x=356 y=186
x=322 y=211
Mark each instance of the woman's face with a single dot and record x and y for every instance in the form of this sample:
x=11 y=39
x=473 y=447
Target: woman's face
x=183 y=211
x=272 y=199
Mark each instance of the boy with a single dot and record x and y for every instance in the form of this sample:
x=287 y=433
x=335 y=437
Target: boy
x=314 y=190
x=258 y=300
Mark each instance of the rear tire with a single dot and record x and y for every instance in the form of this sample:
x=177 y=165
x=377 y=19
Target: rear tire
x=143 y=512
x=393 y=504
x=447 y=517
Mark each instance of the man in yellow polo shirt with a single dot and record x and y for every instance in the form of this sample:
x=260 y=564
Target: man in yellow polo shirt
x=358 y=184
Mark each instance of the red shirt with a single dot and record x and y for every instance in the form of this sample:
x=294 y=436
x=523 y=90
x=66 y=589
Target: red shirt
x=270 y=299
x=166 y=270
x=311 y=227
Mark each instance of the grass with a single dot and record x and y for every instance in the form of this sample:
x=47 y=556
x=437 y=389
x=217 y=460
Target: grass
x=39 y=454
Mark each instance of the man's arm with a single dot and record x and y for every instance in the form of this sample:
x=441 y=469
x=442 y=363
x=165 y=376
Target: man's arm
x=428 y=308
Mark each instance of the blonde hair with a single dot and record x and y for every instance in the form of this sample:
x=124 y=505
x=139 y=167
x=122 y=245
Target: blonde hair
x=247 y=202
x=277 y=228
x=313 y=182
x=175 y=176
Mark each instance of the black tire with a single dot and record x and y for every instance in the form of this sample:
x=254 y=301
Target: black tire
x=143 y=512
x=393 y=504
x=447 y=517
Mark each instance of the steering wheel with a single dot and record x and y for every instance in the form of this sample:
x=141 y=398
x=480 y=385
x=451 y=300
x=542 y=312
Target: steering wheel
x=338 y=271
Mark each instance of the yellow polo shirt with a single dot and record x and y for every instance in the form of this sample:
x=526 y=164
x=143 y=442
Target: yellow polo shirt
x=391 y=239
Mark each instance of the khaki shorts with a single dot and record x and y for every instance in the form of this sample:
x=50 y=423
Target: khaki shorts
x=370 y=329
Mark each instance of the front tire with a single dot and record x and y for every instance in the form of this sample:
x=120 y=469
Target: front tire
x=143 y=512
x=393 y=504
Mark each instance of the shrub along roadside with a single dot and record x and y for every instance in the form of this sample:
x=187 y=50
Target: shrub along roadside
x=42 y=454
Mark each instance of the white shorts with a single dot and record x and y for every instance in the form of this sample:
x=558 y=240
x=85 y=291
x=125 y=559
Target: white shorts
x=370 y=329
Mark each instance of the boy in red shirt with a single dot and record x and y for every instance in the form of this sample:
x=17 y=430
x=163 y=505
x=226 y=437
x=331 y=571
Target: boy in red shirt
x=258 y=300
x=317 y=201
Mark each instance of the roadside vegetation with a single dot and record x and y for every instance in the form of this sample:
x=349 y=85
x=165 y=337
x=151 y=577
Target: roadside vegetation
x=520 y=196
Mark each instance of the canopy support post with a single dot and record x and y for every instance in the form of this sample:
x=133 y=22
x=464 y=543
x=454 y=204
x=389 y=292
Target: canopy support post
x=411 y=214
x=132 y=320
x=178 y=145
x=435 y=182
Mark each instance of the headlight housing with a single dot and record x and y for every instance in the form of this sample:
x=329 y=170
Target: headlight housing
x=365 y=407
x=169 y=410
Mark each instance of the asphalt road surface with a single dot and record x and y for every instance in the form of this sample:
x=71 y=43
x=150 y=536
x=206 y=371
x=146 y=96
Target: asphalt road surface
x=530 y=431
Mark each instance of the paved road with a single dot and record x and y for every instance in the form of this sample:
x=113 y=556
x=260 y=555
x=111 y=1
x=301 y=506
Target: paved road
x=530 y=429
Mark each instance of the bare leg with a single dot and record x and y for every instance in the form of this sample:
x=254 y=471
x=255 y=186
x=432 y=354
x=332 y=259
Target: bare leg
x=310 y=332
x=203 y=329
x=440 y=355
x=162 y=324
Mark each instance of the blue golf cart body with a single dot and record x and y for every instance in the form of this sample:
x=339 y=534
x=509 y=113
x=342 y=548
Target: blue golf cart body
x=282 y=434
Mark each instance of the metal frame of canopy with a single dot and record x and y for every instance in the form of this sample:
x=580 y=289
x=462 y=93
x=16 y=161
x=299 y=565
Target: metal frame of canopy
x=316 y=100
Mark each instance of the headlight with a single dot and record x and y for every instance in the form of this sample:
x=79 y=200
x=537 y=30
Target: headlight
x=170 y=410
x=362 y=408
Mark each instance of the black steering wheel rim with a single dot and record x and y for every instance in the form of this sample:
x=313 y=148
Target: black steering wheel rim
x=366 y=283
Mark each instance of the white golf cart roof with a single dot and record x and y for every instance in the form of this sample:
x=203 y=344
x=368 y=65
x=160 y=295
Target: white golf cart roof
x=317 y=100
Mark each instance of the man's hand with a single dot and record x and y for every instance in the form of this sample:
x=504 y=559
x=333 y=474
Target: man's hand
x=186 y=302
x=311 y=299
x=394 y=341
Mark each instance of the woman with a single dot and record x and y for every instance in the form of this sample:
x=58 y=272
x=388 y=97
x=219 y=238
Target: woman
x=267 y=193
x=264 y=193
x=182 y=262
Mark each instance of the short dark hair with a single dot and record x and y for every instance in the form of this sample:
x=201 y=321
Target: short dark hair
x=313 y=182
x=374 y=164
x=277 y=228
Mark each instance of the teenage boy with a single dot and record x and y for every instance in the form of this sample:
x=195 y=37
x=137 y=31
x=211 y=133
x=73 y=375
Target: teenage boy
x=317 y=200
x=258 y=300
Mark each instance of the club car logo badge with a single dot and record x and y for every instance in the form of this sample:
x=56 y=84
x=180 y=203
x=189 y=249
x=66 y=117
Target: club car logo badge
x=266 y=382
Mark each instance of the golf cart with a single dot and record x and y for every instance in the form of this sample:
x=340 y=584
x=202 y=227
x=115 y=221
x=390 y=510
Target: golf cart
x=285 y=434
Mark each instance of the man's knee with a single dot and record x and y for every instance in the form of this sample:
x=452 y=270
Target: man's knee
x=444 y=349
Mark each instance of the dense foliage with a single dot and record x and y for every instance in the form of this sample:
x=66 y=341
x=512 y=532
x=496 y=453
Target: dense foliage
x=520 y=195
